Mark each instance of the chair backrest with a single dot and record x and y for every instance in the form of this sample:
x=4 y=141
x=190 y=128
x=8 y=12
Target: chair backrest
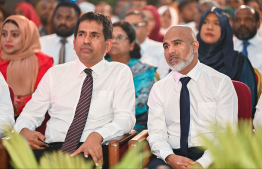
x=244 y=100
x=259 y=82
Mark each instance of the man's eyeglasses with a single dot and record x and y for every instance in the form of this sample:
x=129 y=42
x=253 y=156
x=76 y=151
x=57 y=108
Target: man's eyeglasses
x=139 y=24
x=119 y=38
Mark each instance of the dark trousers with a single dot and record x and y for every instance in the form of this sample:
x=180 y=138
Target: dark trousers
x=194 y=154
x=58 y=145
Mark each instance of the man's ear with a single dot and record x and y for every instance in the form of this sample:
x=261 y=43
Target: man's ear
x=195 y=46
x=108 y=45
x=74 y=41
x=258 y=24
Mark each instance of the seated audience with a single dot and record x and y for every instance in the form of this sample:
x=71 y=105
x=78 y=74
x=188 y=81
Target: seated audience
x=234 y=3
x=246 y=40
x=126 y=50
x=46 y=14
x=152 y=52
x=168 y=18
x=22 y=63
x=60 y=44
x=187 y=11
x=153 y=24
x=184 y=104
x=27 y=10
x=217 y=51
x=89 y=100
x=105 y=9
x=6 y=107
x=4 y=13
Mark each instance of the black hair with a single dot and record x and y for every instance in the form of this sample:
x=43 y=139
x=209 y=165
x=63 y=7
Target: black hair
x=70 y=5
x=11 y=21
x=185 y=3
x=257 y=16
x=136 y=12
x=5 y=11
x=98 y=18
x=131 y=33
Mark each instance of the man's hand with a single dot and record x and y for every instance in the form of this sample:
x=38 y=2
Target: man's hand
x=176 y=161
x=33 y=137
x=92 y=146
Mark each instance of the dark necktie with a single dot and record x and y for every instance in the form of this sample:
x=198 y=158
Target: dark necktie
x=245 y=45
x=62 y=51
x=184 y=116
x=76 y=128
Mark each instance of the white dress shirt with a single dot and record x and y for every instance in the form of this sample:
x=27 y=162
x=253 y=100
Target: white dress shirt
x=6 y=107
x=50 y=45
x=112 y=109
x=213 y=100
x=152 y=53
x=253 y=50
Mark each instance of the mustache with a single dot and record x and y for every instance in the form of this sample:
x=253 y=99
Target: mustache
x=87 y=46
x=243 y=27
x=62 y=25
x=174 y=55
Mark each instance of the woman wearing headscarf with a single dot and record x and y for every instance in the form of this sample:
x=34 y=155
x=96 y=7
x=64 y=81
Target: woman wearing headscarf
x=168 y=18
x=27 y=10
x=126 y=50
x=216 y=50
x=153 y=23
x=22 y=63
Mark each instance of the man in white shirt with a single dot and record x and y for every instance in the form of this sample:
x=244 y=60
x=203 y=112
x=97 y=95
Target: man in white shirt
x=112 y=109
x=179 y=113
x=46 y=14
x=6 y=107
x=151 y=51
x=245 y=24
x=60 y=44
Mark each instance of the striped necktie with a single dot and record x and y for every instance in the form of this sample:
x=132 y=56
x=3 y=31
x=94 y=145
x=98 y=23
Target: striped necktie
x=76 y=128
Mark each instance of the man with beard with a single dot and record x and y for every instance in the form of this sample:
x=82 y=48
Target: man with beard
x=185 y=103
x=60 y=44
x=46 y=13
x=245 y=26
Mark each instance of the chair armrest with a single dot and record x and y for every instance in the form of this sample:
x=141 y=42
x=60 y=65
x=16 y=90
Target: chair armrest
x=114 y=147
x=138 y=138
x=4 y=157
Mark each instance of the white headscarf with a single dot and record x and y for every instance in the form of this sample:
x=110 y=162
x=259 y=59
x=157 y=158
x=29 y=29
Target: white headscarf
x=174 y=17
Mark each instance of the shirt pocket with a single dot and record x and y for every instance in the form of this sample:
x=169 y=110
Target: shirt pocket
x=100 y=104
x=207 y=111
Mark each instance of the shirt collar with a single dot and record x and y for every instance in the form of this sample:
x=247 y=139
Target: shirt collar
x=193 y=74
x=144 y=44
x=69 y=38
x=254 y=40
x=97 y=68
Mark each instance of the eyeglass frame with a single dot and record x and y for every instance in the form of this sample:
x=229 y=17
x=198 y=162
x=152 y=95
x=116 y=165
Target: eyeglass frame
x=119 y=38
x=140 y=24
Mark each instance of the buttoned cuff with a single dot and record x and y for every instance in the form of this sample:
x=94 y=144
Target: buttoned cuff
x=206 y=160
x=104 y=133
x=19 y=126
x=165 y=153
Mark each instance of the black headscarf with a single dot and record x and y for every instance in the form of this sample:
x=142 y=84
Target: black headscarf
x=221 y=55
